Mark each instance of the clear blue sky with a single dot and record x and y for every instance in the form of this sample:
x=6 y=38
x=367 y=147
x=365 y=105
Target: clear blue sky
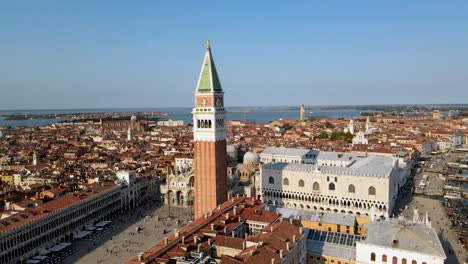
x=102 y=54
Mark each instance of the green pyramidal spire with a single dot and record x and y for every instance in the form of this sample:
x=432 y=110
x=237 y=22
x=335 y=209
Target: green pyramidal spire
x=208 y=80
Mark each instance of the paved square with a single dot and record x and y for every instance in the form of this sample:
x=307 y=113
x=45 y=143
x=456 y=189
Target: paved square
x=120 y=241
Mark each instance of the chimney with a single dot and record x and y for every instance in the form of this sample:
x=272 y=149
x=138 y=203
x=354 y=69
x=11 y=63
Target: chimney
x=225 y=229
x=176 y=233
x=199 y=247
x=140 y=256
x=209 y=241
x=235 y=210
x=206 y=215
x=183 y=239
x=212 y=226
x=290 y=220
x=219 y=207
x=251 y=252
x=232 y=234
x=195 y=239
x=271 y=229
x=281 y=254
x=239 y=219
x=244 y=245
x=301 y=230
x=287 y=245
x=272 y=261
x=294 y=238
x=227 y=215
x=237 y=196
x=165 y=240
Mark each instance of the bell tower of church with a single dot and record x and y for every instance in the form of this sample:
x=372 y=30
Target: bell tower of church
x=209 y=131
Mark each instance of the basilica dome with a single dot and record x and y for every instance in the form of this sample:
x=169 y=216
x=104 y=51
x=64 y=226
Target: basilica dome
x=231 y=152
x=251 y=157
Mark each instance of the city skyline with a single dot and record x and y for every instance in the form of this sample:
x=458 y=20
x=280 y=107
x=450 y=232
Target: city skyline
x=89 y=55
x=336 y=185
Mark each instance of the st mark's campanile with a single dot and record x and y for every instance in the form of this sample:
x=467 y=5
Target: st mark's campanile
x=209 y=131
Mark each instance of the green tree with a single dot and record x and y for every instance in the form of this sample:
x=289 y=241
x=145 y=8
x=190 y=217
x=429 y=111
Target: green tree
x=329 y=125
x=323 y=135
x=340 y=135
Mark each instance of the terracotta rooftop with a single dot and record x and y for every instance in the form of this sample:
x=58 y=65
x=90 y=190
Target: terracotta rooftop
x=206 y=230
x=275 y=238
x=42 y=210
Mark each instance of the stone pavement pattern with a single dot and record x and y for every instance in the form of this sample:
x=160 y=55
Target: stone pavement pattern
x=124 y=242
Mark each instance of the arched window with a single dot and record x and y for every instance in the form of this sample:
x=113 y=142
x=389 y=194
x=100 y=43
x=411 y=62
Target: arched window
x=328 y=178
x=209 y=123
x=351 y=188
x=198 y=123
x=414 y=262
x=301 y=183
x=384 y=258
x=331 y=186
x=271 y=180
x=285 y=181
x=371 y=190
x=316 y=186
x=403 y=261
x=372 y=256
x=394 y=260
x=336 y=179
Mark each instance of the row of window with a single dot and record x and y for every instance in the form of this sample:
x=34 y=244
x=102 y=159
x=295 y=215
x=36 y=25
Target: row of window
x=208 y=124
x=204 y=124
x=331 y=186
x=394 y=259
x=33 y=235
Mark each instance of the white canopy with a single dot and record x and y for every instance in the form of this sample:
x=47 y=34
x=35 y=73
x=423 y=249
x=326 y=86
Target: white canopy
x=43 y=251
x=59 y=247
x=90 y=228
x=103 y=223
x=33 y=261
x=82 y=234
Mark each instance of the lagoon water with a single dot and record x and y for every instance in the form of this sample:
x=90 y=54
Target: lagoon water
x=255 y=114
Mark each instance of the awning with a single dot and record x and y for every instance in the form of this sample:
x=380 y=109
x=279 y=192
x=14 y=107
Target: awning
x=59 y=247
x=82 y=234
x=90 y=228
x=43 y=251
x=33 y=261
x=102 y=223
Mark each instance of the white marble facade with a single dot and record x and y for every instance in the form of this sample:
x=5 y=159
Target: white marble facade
x=349 y=183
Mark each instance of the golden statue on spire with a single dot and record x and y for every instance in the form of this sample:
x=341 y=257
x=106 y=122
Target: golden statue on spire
x=207 y=41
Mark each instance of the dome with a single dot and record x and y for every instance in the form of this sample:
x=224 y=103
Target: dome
x=231 y=148
x=231 y=152
x=251 y=157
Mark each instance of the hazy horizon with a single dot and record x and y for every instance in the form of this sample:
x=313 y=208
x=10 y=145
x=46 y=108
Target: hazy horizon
x=241 y=106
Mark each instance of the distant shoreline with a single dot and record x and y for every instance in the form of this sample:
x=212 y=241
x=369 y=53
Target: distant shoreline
x=323 y=107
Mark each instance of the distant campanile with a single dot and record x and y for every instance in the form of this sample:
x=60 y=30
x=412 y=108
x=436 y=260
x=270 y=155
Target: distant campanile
x=209 y=132
x=302 y=112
